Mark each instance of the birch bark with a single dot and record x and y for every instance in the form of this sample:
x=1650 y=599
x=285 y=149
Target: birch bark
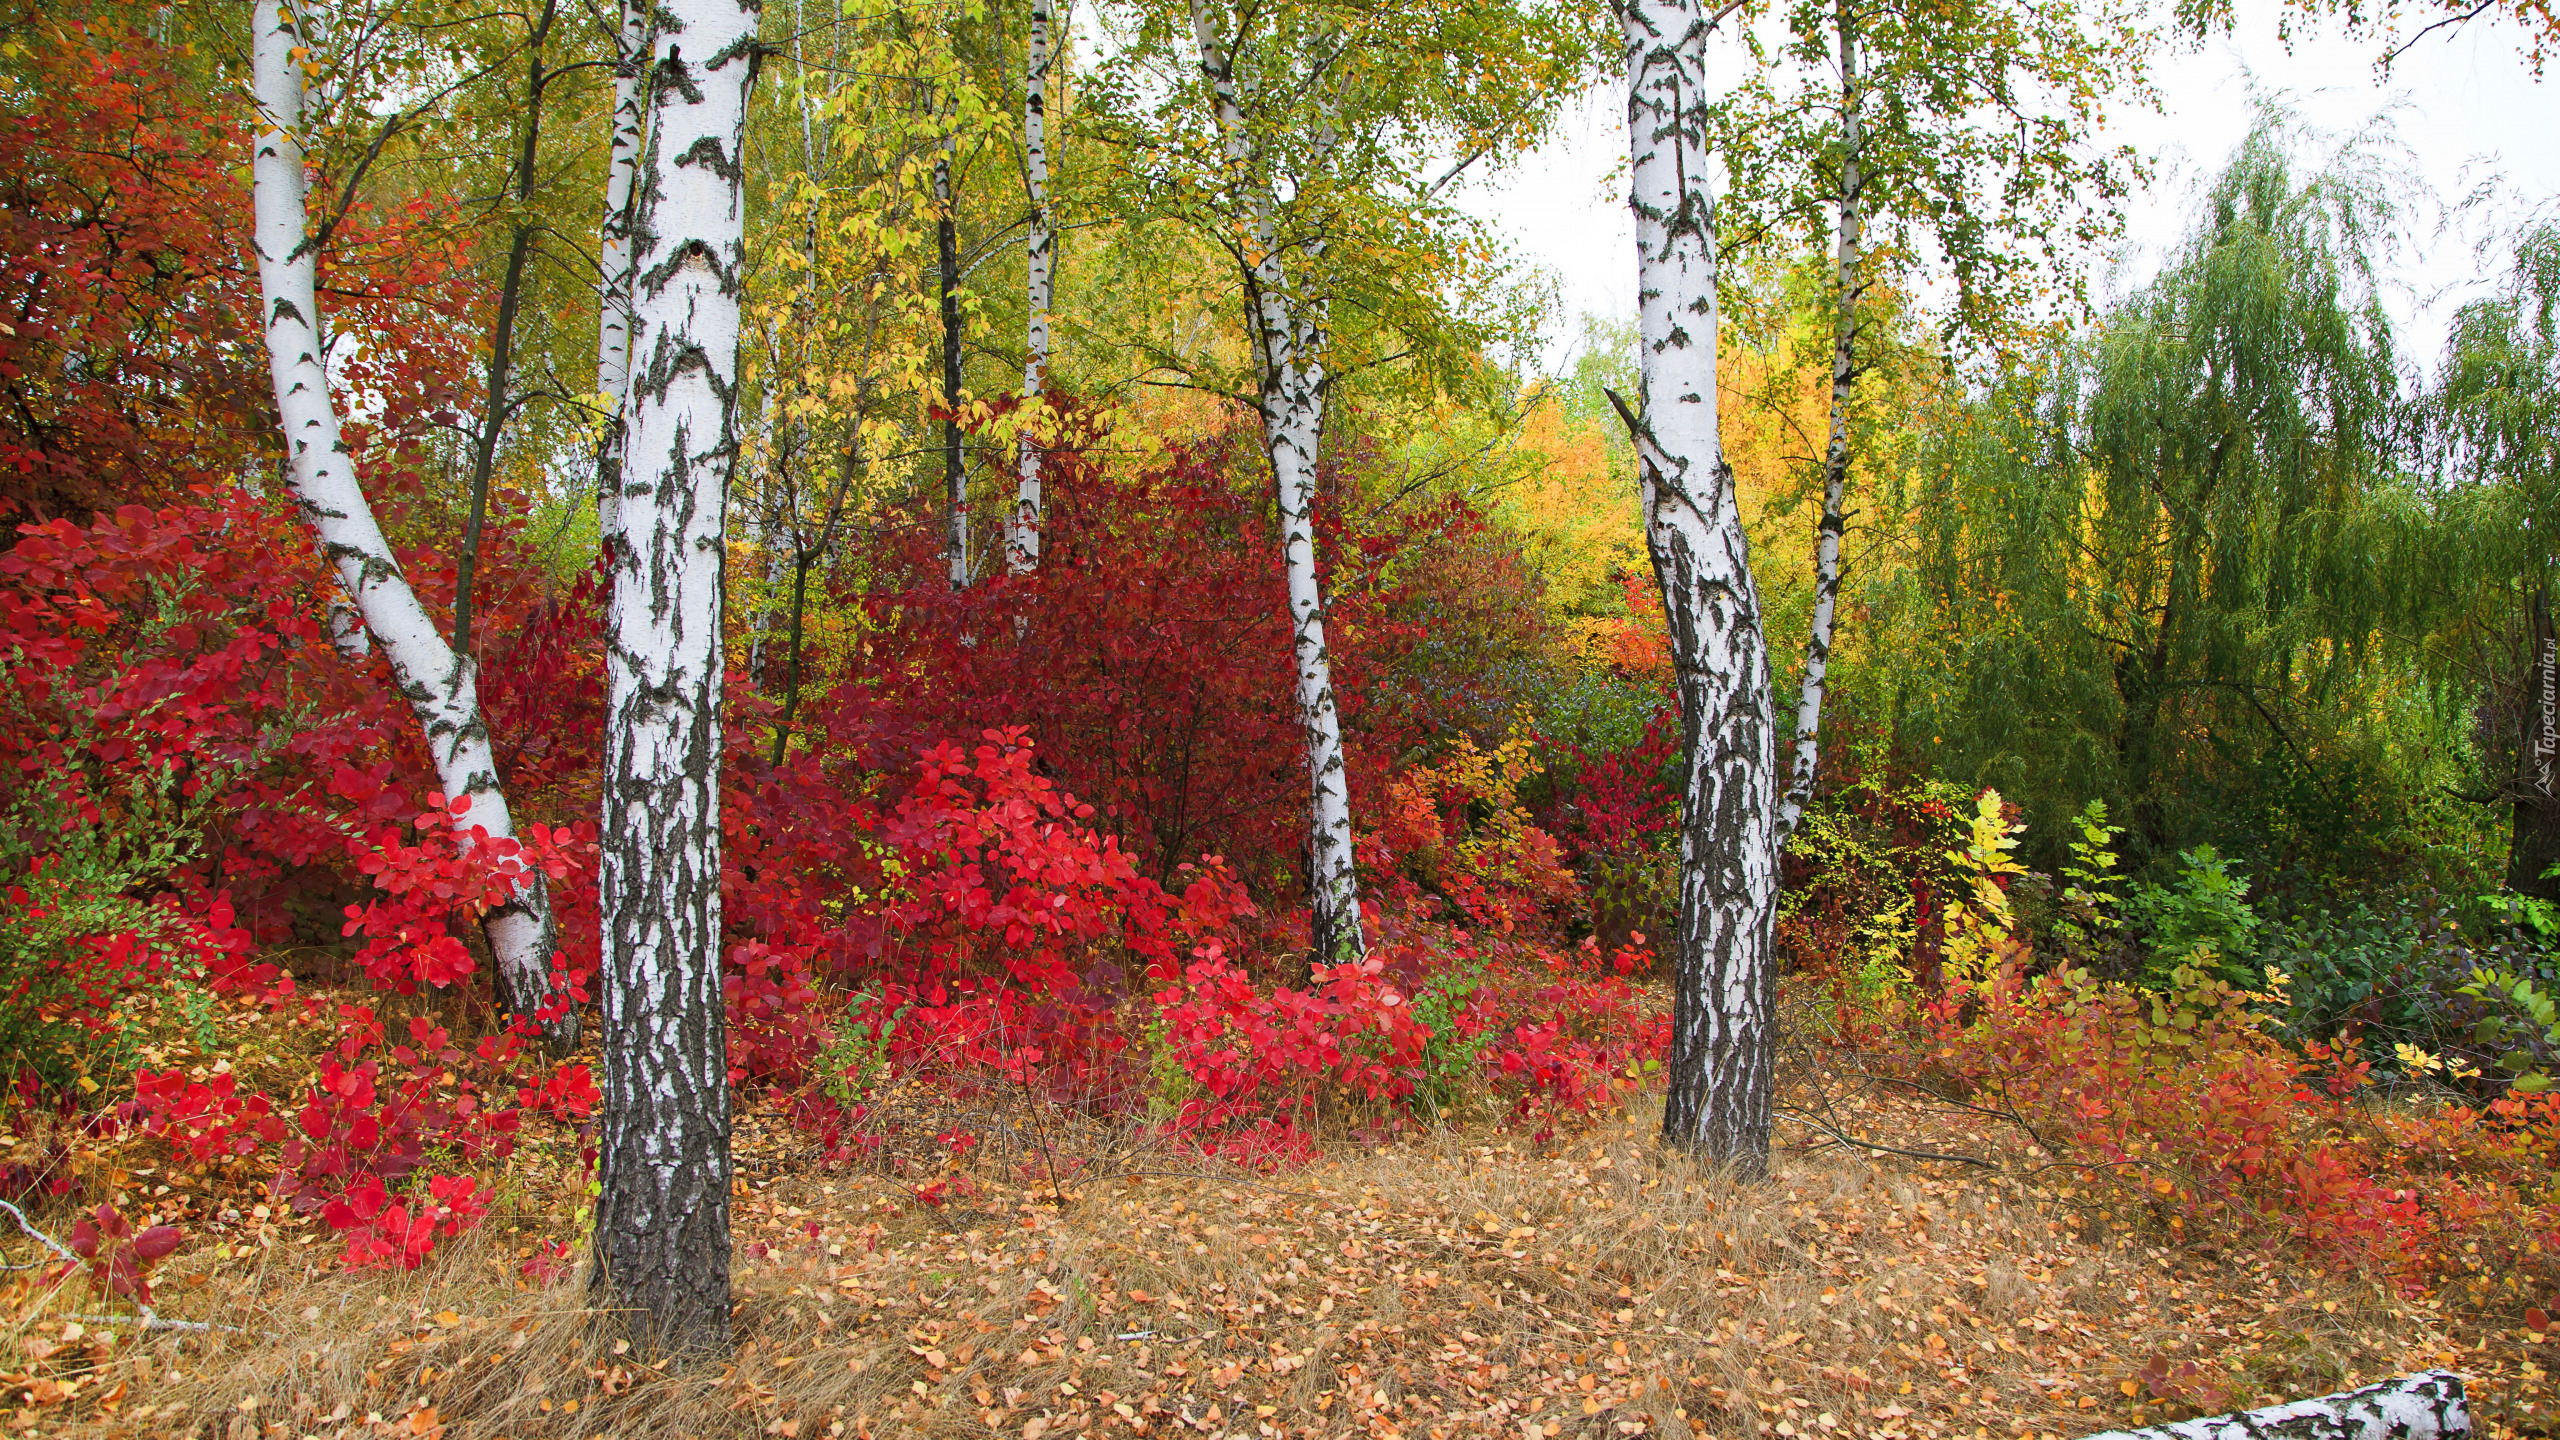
x=1288 y=350
x=1849 y=288
x=1724 y=1010
x=662 y=1219
x=2429 y=1405
x=1039 y=254
x=440 y=685
x=613 y=286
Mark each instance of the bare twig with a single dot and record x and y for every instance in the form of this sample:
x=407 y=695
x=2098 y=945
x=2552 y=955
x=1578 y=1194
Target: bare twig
x=1880 y=1147
x=150 y=1319
x=56 y=1246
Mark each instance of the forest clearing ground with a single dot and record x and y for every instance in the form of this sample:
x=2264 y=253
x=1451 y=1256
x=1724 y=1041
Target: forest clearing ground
x=1468 y=1282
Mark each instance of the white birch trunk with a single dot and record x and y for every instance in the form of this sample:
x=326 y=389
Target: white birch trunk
x=440 y=686
x=1288 y=350
x=1022 y=554
x=662 y=1218
x=613 y=287
x=1850 y=288
x=1724 y=1012
x=2429 y=1405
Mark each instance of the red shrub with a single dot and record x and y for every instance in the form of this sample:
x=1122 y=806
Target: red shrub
x=2183 y=1106
x=1154 y=677
x=120 y=1257
x=132 y=364
x=1149 y=658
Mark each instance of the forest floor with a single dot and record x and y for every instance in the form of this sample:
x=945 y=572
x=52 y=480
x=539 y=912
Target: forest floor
x=1467 y=1281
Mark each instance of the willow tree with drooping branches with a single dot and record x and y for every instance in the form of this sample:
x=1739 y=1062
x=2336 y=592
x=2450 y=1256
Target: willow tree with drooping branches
x=2493 y=419
x=2161 y=560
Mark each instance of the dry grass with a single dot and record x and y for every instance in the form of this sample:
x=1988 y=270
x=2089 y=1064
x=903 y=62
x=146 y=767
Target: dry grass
x=1466 y=1284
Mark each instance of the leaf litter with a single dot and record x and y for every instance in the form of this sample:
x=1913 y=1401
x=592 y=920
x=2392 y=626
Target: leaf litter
x=1472 y=1282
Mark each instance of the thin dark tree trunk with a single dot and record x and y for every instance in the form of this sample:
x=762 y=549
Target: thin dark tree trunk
x=955 y=470
x=502 y=341
x=521 y=989
x=806 y=556
x=484 y=455
x=801 y=560
x=2145 y=697
x=2535 y=845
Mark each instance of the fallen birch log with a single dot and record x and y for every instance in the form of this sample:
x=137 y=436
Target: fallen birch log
x=2424 y=1406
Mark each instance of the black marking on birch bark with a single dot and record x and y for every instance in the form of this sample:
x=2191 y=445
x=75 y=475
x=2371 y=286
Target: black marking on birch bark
x=653 y=281
x=707 y=151
x=677 y=77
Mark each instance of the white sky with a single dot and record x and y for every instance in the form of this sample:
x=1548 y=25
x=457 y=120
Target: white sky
x=2468 y=116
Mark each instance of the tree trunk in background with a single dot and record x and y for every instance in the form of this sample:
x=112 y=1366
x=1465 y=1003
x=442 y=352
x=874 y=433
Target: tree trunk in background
x=613 y=286
x=1724 y=1012
x=440 y=685
x=1849 y=288
x=955 y=466
x=1288 y=349
x=1022 y=554
x=502 y=337
x=662 y=1219
x=2535 y=844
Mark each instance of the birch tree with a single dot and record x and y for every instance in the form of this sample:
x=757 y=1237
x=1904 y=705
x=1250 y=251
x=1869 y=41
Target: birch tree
x=438 y=681
x=662 y=1217
x=1722 y=1070
x=1849 y=287
x=613 y=253
x=1314 y=145
x=1288 y=345
x=1039 y=254
x=1945 y=141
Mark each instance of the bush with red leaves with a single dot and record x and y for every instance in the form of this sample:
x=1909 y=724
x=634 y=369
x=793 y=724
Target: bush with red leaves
x=120 y=1257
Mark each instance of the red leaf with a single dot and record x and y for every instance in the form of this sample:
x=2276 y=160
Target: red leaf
x=158 y=1241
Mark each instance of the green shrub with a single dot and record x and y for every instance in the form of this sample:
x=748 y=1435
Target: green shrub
x=2202 y=920
x=84 y=935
